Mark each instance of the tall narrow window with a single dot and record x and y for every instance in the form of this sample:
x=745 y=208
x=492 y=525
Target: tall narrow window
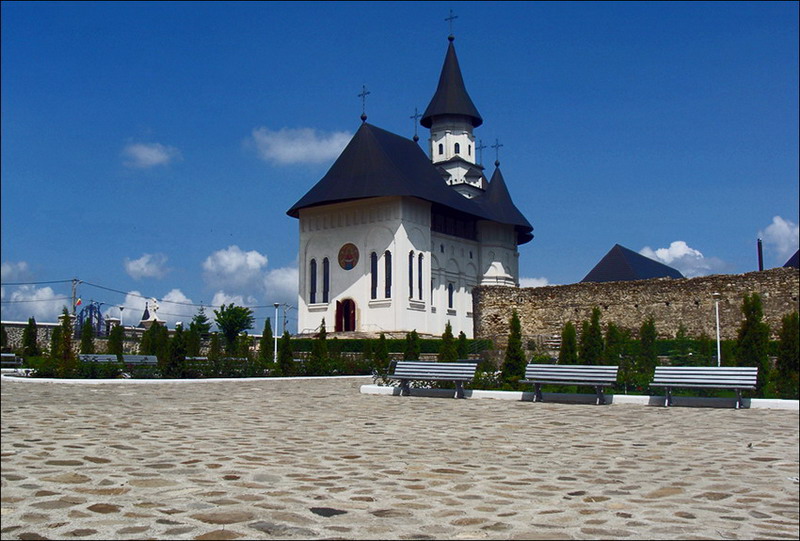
x=419 y=276
x=411 y=274
x=457 y=148
x=450 y=295
x=326 y=279
x=441 y=149
x=373 y=270
x=387 y=258
x=469 y=150
x=313 y=280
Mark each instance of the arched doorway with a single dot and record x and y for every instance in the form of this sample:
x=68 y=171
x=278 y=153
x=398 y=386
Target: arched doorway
x=345 y=315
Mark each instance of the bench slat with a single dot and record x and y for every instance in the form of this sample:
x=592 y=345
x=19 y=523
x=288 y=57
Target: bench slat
x=458 y=372
x=738 y=378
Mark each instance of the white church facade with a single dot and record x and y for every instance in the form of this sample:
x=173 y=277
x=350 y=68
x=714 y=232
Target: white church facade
x=394 y=240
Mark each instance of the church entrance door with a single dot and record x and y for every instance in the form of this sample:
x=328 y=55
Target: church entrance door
x=345 y=315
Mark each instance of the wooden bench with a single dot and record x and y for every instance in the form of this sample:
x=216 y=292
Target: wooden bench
x=140 y=360
x=597 y=376
x=737 y=378
x=94 y=358
x=458 y=373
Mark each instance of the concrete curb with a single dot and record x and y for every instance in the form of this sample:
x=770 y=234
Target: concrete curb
x=611 y=399
x=126 y=381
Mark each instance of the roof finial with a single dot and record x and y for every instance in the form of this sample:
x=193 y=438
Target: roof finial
x=496 y=146
x=450 y=19
x=363 y=96
x=415 y=116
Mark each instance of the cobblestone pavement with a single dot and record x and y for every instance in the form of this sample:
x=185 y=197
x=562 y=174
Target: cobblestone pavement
x=315 y=459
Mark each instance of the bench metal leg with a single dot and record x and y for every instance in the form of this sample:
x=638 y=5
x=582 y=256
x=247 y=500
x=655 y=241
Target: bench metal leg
x=601 y=399
x=405 y=390
x=738 y=399
x=537 y=392
x=459 y=389
x=668 y=401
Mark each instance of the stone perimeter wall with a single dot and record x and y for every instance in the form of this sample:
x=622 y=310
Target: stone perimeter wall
x=543 y=311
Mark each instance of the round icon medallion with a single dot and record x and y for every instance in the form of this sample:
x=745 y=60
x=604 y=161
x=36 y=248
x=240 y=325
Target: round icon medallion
x=348 y=256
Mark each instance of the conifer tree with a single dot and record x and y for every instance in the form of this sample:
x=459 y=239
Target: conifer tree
x=116 y=340
x=285 y=355
x=3 y=339
x=30 y=347
x=87 y=338
x=55 y=342
x=568 y=354
x=788 y=363
x=753 y=340
x=382 y=351
x=413 y=348
x=66 y=362
x=448 y=351
x=514 y=361
x=647 y=359
x=462 y=347
x=317 y=363
x=591 y=344
x=267 y=343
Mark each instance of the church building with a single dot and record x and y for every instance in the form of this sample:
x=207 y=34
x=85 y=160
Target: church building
x=393 y=239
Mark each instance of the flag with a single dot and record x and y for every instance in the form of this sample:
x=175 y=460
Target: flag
x=78 y=302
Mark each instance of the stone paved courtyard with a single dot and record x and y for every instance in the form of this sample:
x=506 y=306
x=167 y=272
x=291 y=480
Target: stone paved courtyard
x=315 y=459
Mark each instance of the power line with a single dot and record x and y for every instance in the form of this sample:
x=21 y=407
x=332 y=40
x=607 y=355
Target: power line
x=35 y=283
x=37 y=300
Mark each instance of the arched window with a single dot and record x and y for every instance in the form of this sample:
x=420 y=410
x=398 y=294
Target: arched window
x=450 y=295
x=441 y=149
x=457 y=148
x=373 y=270
x=419 y=276
x=313 y=281
x=326 y=279
x=387 y=258
x=411 y=274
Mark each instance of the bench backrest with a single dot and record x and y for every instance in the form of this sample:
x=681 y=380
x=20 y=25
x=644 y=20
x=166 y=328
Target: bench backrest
x=10 y=358
x=572 y=372
x=140 y=359
x=729 y=376
x=95 y=358
x=419 y=369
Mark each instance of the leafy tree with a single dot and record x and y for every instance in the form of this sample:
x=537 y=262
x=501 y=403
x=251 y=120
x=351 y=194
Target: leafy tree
x=514 y=361
x=66 y=362
x=116 y=340
x=647 y=359
x=462 y=346
x=591 y=345
x=87 y=338
x=285 y=355
x=753 y=340
x=267 y=343
x=448 y=351
x=232 y=320
x=568 y=354
x=413 y=347
x=788 y=363
x=30 y=347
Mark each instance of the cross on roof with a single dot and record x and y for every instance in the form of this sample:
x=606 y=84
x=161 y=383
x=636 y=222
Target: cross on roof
x=496 y=146
x=479 y=147
x=414 y=117
x=363 y=95
x=450 y=19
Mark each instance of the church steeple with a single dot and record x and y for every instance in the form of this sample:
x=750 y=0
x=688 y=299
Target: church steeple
x=451 y=97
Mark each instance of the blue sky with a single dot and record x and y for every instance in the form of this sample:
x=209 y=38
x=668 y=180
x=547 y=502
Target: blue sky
x=152 y=149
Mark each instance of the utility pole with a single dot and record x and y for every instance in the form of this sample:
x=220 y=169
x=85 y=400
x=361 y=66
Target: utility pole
x=75 y=283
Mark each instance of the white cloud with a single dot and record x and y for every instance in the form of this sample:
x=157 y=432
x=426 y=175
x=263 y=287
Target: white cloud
x=687 y=260
x=147 y=266
x=782 y=237
x=147 y=155
x=174 y=307
x=14 y=272
x=297 y=145
x=233 y=268
x=280 y=285
x=42 y=304
x=533 y=282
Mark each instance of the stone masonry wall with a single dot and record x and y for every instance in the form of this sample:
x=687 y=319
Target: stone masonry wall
x=543 y=311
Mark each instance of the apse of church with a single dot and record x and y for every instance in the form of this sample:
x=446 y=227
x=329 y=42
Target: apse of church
x=394 y=240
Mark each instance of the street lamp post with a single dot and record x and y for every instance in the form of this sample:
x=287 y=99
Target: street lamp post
x=716 y=304
x=275 y=350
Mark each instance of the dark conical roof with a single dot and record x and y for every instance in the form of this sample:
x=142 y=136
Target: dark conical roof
x=793 y=261
x=378 y=163
x=451 y=96
x=497 y=200
x=621 y=264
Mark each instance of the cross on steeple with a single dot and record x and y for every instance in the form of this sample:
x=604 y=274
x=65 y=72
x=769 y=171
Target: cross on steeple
x=450 y=19
x=479 y=147
x=414 y=117
x=496 y=146
x=363 y=95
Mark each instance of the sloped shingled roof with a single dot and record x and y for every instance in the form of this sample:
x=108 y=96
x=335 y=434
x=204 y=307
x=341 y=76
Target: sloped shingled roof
x=621 y=264
x=793 y=261
x=378 y=163
x=451 y=96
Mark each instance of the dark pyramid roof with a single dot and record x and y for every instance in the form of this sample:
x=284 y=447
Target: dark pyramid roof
x=621 y=264
x=378 y=163
x=497 y=201
x=794 y=261
x=451 y=96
